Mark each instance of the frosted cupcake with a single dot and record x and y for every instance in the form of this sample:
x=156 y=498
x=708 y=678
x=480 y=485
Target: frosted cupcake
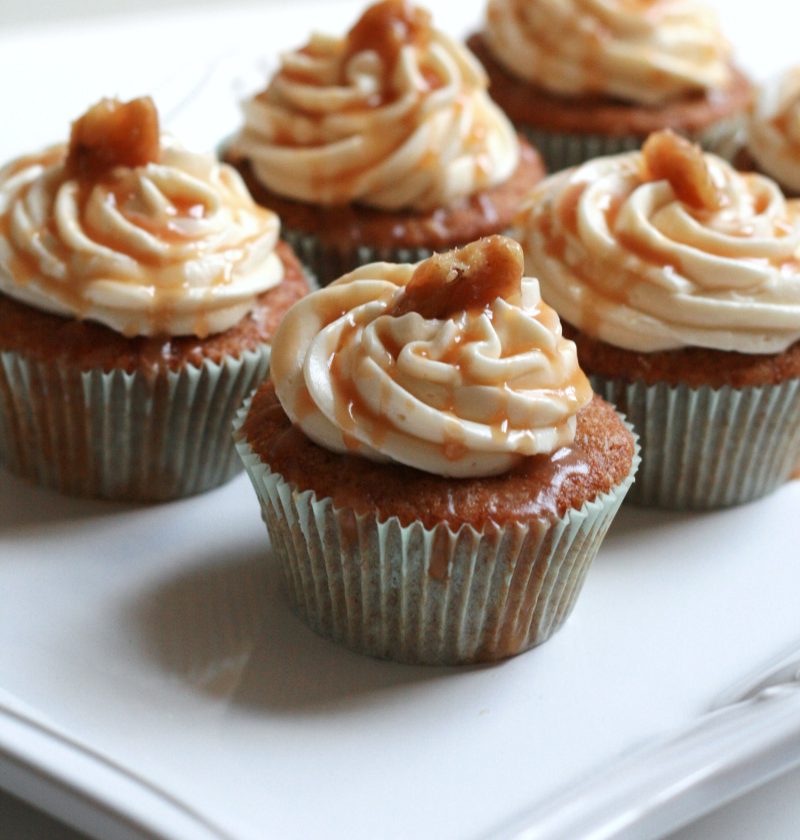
x=584 y=78
x=679 y=280
x=773 y=133
x=434 y=472
x=382 y=144
x=140 y=286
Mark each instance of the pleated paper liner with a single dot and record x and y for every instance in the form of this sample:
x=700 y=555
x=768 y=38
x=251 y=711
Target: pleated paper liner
x=327 y=263
x=125 y=436
x=427 y=596
x=705 y=448
x=562 y=150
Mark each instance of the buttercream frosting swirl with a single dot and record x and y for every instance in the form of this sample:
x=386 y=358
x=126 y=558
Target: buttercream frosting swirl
x=467 y=393
x=344 y=121
x=774 y=130
x=176 y=246
x=632 y=260
x=642 y=51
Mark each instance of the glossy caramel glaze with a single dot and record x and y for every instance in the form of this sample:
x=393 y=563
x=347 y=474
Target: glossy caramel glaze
x=44 y=337
x=540 y=488
x=529 y=105
x=385 y=28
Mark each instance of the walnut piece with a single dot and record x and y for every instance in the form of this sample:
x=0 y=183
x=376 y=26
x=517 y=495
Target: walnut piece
x=464 y=279
x=669 y=157
x=113 y=133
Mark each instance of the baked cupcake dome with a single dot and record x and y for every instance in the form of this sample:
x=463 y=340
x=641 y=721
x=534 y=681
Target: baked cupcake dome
x=583 y=79
x=139 y=288
x=435 y=476
x=382 y=144
x=679 y=280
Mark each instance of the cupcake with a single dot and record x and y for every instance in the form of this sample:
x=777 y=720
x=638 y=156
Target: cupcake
x=773 y=133
x=382 y=145
x=679 y=280
x=584 y=78
x=433 y=469
x=140 y=286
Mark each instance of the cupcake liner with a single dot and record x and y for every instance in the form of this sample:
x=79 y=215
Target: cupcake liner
x=705 y=448
x=427 y=595
x=327 y=263
x=562 y=150
x=143 y=436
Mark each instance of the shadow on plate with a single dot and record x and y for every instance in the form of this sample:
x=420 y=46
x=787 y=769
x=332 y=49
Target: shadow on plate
x=225 y=628
x=24 y=505
x=634 y=526
x=632 y=521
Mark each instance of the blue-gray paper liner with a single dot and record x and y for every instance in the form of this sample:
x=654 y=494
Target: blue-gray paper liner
x=427 y=595
x=706 y=448
x=327 y=263
x=561 y=150
x=143 y=436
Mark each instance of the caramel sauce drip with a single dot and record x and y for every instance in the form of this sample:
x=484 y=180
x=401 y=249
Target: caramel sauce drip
x=782 y=121
x=469 y=278
x=460 y=280
x=21 y=265
x=441 y=552
x=610 y=281
x=669 y=157
x=113 y=133
x=386 y=28
x=454 y=449
x=351 y=411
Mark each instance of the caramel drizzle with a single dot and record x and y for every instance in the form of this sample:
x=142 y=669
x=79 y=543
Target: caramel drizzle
x=351 y=411
x=611 y=284
x=386 y=28
x=591 y=44
x=465 y=280
x=666 y=156
x=93 y=169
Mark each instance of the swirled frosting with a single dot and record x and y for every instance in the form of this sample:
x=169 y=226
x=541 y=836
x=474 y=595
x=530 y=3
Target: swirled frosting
x=395 y=115
x=654 y=252
x=642 y=51
x=375 y=365
x=774 y=130
x=174 y=246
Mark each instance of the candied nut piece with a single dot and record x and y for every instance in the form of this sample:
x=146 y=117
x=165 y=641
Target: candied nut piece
x=669 y=157
x=113 y=133
x=464 y=279
x=386 y=28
